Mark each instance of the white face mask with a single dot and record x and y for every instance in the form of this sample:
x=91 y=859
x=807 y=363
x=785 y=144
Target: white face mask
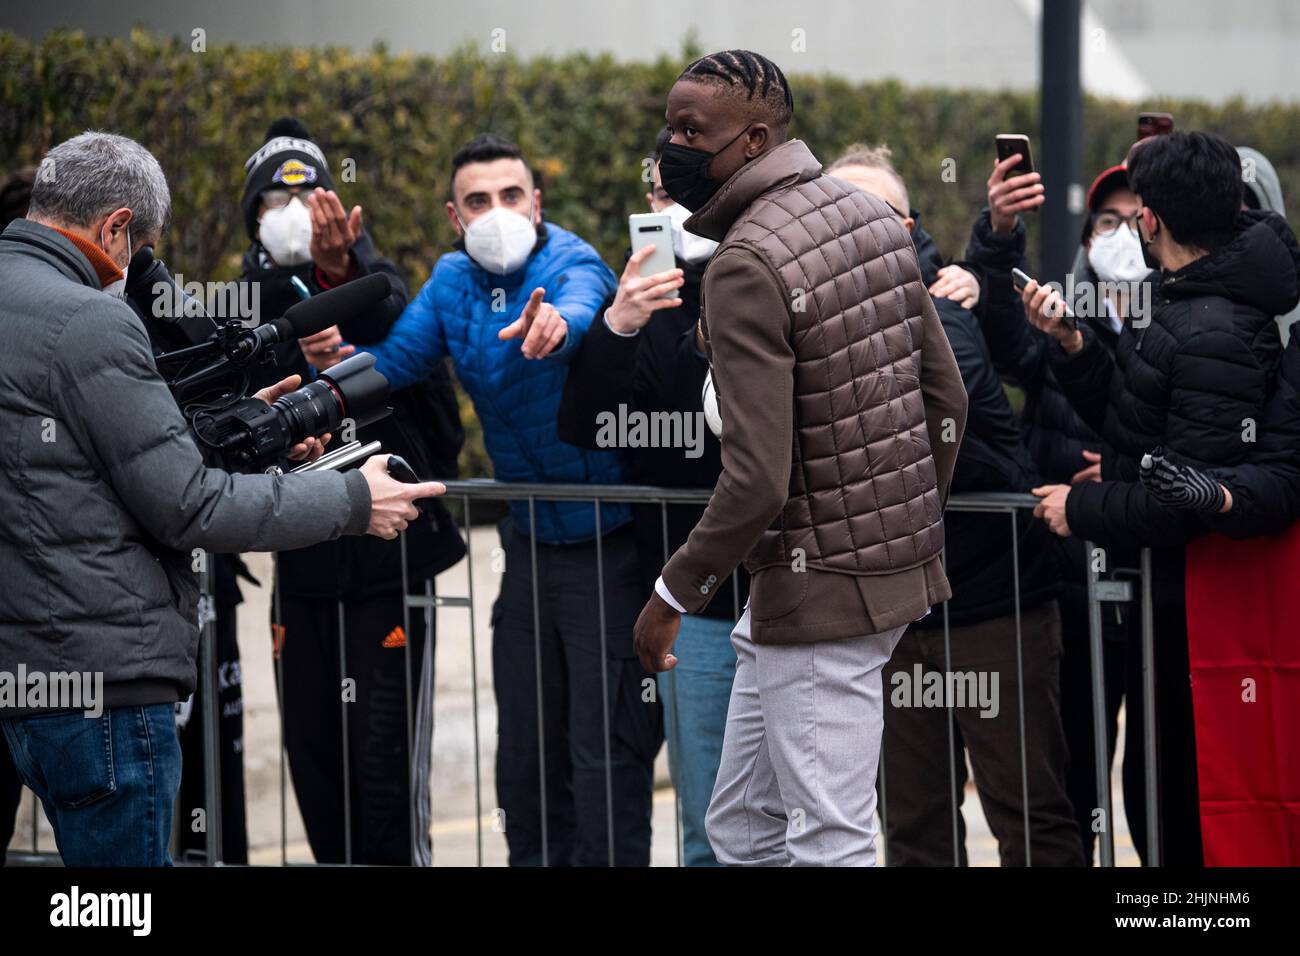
x=117 y=288
x=501 y=240
x=286 y=233
x=1118 y=257
x=687 y=245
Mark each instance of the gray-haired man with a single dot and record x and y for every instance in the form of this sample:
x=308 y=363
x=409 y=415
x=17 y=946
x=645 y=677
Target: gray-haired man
x=103 y=496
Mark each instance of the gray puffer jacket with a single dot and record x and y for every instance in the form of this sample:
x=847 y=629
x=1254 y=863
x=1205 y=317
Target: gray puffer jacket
x=103 y=494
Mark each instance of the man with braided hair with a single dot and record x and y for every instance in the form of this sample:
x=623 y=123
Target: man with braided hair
x=842 y=408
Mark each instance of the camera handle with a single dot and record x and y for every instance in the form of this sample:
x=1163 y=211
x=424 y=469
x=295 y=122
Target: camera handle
x=336 y=460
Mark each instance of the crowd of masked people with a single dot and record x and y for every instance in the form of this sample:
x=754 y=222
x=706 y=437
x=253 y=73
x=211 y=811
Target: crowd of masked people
x=1127 y=425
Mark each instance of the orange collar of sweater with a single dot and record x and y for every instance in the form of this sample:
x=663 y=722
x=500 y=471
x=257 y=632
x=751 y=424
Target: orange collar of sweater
x=107 y=270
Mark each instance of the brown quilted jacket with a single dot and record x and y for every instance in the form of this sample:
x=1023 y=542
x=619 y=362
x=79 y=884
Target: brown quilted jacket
x=835 y=383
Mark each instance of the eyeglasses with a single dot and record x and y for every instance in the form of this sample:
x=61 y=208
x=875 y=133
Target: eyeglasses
x=1107 y=223
x=275 y=198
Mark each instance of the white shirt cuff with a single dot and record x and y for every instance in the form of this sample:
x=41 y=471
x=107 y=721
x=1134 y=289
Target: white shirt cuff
x=662 y=590
x=622 y=335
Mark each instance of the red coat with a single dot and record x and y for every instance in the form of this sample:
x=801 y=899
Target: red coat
x=1243 y=635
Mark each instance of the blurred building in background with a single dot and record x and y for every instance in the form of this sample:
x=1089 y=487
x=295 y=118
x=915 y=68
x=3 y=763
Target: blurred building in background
x=1196 y=49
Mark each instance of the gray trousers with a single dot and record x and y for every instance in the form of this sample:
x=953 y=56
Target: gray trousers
x=797 y=782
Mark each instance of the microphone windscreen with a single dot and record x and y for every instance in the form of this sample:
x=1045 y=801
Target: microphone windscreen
x=333 y=307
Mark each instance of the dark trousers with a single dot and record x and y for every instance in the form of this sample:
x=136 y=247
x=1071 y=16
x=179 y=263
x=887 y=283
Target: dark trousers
x=1076 y=710
x=920 y=798
x=580 y=684
x=372 y=806
x=1179 y=792
x=11 y=793
x=230 y=734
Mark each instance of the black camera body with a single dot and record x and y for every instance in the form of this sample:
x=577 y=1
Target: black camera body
x=208 y=366
x=249 y=435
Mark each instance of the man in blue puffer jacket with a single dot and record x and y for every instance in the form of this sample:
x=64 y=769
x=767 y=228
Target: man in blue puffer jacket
x=510 y=308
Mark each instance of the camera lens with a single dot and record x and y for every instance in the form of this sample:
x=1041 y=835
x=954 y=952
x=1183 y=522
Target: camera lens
x=352 y=389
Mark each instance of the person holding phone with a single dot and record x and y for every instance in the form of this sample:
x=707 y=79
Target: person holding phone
x=1066 y=450
x=1190 y=381
x=1002 y=618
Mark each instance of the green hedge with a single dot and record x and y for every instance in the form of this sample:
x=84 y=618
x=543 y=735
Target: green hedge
x=585 y=122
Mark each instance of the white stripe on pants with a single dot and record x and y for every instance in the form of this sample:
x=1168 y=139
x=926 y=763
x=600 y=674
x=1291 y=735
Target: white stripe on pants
x=797 y=782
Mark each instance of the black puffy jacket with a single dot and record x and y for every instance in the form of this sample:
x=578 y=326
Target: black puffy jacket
x=1266 y=487
x=979 y=558
x=1195 y=379
x=1054 y=433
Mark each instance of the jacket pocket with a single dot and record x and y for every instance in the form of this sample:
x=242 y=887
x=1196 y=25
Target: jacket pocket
x=775 y=592
x=74 y=754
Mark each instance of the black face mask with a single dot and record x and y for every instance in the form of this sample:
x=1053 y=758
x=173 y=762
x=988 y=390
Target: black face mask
x=684 y=172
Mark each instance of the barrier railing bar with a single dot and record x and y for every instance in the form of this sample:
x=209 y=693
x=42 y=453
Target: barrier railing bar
x=1150 y=754
x=347 y=764
x=537 y=655
x=211 y=710
x=604 y=684
x=473 y=672
x=482 y=489
x=1100 y=748
x=411 y=704
x=278 y=644
x=674 y=750
x=952 y=734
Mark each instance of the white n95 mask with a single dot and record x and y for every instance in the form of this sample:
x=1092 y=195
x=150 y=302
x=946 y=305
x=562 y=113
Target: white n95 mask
x=286 y=233
x=501 y=240
x=687 y=245
x=1118 y=257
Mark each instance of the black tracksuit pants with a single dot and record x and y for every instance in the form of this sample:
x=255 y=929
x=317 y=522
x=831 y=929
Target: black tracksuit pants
x=571 y=750
x=230 y=732
x=371 y=805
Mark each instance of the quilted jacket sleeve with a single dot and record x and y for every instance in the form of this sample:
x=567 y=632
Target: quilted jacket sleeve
x=753 y=368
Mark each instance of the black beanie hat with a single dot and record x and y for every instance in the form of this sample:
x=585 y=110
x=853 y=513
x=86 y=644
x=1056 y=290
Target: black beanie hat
x=288 y=158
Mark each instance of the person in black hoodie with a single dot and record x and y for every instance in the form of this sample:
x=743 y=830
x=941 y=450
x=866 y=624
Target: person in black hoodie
x=1067 y=450
x=304 y=243
x=642 y=353
x=981 y=554
x=1195 y=380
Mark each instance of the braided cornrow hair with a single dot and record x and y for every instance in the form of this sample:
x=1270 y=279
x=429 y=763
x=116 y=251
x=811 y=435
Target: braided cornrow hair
x=752 y=71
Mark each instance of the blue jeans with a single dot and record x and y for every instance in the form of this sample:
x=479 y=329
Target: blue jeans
x=695 y=695
x=107 y=783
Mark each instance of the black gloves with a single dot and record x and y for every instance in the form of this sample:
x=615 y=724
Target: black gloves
x=1180 y=486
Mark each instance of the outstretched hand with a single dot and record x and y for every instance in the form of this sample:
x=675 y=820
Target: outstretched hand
x=540 y=325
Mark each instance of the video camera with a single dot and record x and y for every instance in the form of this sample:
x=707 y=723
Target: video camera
x=209 y=374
